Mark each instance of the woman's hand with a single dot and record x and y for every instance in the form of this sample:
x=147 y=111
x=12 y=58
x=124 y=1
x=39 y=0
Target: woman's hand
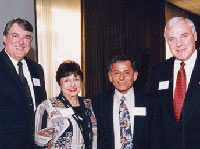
x=47 y=132
x=49 y=145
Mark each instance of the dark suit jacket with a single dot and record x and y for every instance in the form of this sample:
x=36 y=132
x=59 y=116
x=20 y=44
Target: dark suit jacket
x=146 y=128
x=16 y=116
x=186 y=133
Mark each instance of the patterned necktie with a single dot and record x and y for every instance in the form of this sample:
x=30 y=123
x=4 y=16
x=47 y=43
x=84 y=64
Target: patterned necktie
x=125 y=126
x=25 y=83
x=180 y=91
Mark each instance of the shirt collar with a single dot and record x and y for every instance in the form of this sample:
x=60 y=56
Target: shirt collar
x=13 y=60
x=129 y=94
x=188 y=62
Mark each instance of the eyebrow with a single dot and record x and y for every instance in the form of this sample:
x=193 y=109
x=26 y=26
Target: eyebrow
x=180 y=35
x=120 y=71
x=19 y=33
x=184 y=34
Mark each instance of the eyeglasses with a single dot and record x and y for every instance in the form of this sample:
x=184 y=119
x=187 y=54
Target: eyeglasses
x=17 y=37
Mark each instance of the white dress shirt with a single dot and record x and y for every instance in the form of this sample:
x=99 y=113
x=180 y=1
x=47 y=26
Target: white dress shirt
x=189 y=66
x=130 y=103
x=26 y=75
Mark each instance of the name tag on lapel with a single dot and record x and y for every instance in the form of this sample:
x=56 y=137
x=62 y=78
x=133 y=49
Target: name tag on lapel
x=163 y=85
x=36 y=82
x=139 y=111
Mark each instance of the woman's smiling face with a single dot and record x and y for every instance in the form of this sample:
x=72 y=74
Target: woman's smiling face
x=71 y=85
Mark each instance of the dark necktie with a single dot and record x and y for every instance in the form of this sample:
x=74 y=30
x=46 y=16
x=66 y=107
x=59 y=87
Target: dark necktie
x=25 y=83
x=125 y=126
x=180 y=91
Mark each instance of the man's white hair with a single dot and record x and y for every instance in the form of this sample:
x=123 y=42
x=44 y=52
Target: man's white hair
x=175 y=20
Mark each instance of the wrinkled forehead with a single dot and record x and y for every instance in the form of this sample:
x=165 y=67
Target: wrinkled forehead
x=122 y=65
x=178 y=28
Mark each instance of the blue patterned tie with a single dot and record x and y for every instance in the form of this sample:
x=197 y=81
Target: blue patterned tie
x=125 y=126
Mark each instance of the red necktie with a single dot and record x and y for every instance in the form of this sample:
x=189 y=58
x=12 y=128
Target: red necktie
x=180 y=91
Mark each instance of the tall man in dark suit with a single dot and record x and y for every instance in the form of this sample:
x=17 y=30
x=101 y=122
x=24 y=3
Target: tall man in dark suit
x=140 y=130
x=18 y=101
x=178 y=87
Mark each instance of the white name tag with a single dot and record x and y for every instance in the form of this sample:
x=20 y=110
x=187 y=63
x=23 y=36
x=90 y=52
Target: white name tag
x=36 y=82
x=163 y=85
x=139 y=111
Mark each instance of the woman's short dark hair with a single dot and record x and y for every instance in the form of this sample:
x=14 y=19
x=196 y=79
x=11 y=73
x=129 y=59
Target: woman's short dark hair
x=67 y=68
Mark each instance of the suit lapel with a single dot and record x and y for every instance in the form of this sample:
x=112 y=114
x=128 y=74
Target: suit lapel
x=32 y=70
x=139 y=121
x=192 y=93
x=108 y=121
x=11 y=71
x=35 y=73
x=109 y=109
x=167 y=101
x=32 y=74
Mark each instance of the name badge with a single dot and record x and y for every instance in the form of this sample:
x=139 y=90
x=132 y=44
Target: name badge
x=36 y=82
x=139 y=111
x=163 y=85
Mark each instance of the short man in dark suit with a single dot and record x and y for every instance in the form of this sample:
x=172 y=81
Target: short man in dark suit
x=22 y=87
x=176 y=82
x=140 y=130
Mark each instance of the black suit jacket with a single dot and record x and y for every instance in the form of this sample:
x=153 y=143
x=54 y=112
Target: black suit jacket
x=186 y=133
x=16 y=116
x=146 y=128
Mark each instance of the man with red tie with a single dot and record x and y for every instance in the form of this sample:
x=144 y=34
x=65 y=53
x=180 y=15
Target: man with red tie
x=176 y=82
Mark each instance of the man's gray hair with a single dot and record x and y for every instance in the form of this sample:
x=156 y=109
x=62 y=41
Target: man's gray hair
x=175 y=20
x=119 y=58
